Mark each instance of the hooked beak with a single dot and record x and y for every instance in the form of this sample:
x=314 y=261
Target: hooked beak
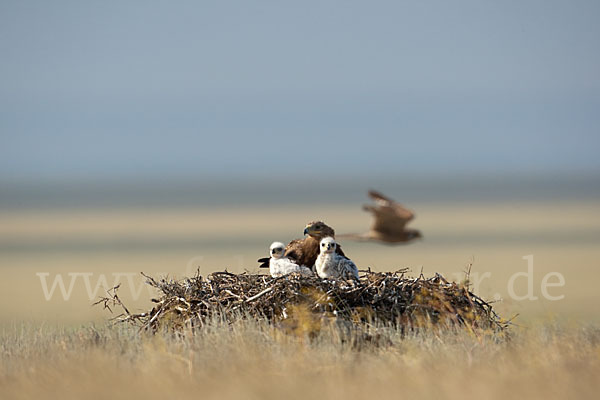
x=306 y=230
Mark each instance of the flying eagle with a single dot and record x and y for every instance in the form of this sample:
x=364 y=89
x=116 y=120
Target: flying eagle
x=280 y=265
x=329 y=264
x=305 y=251
x=390 y=222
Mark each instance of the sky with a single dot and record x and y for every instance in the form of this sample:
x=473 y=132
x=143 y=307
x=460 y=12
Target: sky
x=117 y=89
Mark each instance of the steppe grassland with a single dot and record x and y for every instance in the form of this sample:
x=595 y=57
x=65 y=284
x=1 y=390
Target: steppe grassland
x=256 y=361
x=50 y=350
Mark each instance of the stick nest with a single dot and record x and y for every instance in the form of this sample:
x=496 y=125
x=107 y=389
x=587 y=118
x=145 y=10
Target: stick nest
x=388 y=298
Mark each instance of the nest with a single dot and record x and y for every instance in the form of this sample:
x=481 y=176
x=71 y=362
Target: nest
x=383 y=298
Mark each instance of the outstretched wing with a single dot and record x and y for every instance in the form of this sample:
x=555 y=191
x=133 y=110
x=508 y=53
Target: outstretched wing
x=390 y=217
x=379 y=198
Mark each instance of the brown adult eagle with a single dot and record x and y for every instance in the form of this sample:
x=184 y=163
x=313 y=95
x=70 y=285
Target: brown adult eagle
x=390 y=220
x=305 y=251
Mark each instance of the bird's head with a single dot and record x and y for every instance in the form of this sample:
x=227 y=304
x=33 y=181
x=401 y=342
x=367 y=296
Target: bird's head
x=277 y=249
x=318 y=230
x=327 y=245
x=414 y=234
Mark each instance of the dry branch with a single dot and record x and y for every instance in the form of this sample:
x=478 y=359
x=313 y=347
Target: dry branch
x=388 y=298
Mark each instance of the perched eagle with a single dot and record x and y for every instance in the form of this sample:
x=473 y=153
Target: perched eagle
x=389 y=225
x=305 y=251
x=329 y=264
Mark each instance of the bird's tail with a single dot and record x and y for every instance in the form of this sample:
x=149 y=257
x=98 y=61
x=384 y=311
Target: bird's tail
x=264 y=262
x=353 y=236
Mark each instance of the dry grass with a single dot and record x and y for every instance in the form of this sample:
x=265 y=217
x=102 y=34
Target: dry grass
x=252 y=360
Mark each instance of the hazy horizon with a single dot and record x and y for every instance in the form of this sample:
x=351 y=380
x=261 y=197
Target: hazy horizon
x=188 y=192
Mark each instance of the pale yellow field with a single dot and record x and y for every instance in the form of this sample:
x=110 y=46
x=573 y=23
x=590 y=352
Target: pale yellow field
x=55 y=347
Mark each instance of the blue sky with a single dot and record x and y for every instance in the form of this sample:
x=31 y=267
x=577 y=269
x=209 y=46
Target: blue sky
x=234 y=88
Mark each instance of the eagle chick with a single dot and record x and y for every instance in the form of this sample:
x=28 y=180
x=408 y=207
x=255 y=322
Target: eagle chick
x=330 y=264
x=279 y=265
